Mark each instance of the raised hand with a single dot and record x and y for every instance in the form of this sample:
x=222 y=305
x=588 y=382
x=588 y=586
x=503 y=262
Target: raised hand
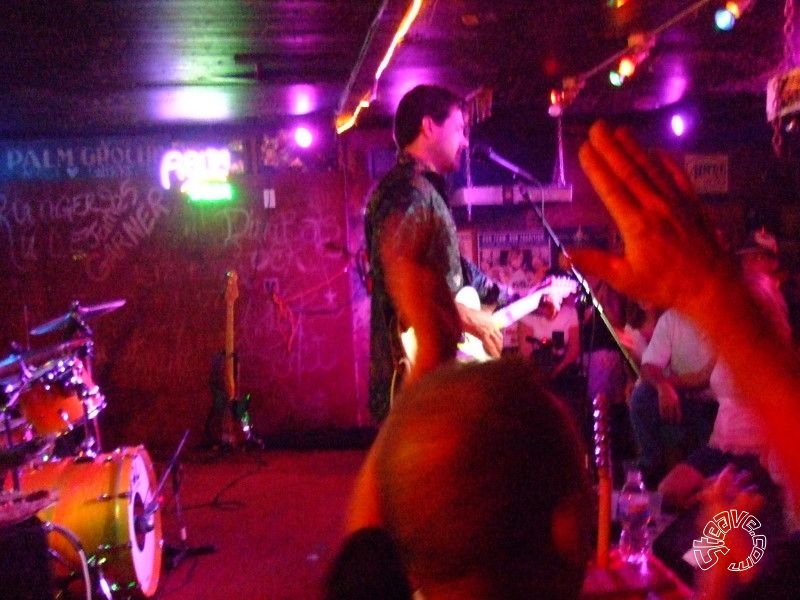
x=670 y=252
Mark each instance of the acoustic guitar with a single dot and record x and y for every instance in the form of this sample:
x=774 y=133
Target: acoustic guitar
x=470 y=347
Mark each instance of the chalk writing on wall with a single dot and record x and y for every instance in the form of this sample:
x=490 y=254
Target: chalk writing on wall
x=98 y=227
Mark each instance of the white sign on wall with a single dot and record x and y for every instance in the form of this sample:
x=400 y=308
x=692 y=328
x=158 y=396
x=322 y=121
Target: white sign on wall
x=708 y=172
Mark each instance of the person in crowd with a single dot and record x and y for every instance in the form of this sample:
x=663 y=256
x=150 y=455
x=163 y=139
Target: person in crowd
x=672 y=408
x=738 y=436
x=460 y=483
x=606 y=371
x=549 y=336
x=408 y=208
x=640 y=322
x=672 y=259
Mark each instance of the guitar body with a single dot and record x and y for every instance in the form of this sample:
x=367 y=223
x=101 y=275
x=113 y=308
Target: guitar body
x=470 y=347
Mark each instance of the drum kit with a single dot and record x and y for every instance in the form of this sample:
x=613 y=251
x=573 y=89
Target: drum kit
x=100 y=509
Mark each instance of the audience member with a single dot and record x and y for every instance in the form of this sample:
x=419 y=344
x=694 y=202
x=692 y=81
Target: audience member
x=549 y=335
x=672 y=259
x=606 y=371
x=481 y=483
x=640 y=321
x=738 y=436
x=672 y=408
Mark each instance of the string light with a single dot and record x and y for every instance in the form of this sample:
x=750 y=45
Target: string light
x=639 y=45
x=638 y=51
x=725 y=18
x=561 y=98
x=678 y=125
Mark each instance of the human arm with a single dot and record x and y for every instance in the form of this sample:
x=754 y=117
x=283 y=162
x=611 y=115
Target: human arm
x=669 y=404
x=672 y=259
x=479 y=323
x=420 y=295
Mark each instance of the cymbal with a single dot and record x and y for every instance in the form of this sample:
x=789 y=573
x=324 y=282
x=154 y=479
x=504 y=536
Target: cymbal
x=10 y=365
x=77 y=313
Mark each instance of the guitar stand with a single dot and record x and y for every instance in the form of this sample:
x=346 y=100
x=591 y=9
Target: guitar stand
x=173 y=555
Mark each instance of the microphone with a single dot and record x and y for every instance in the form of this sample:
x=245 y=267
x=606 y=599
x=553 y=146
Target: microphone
x=144 y=523
x=485 y=152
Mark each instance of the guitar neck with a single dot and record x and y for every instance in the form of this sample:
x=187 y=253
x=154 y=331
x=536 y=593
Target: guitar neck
x=512 y=313
x=230 y=370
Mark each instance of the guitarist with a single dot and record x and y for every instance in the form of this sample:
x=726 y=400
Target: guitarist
x=408 y=219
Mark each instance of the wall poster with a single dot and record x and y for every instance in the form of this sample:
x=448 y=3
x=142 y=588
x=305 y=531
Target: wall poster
x=517 y=259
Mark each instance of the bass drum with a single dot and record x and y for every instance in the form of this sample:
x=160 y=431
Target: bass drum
x=102 y=502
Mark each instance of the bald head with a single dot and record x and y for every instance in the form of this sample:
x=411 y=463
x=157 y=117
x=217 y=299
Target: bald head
x=473 y=463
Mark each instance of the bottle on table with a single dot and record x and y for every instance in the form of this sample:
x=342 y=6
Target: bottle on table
x=633 y=511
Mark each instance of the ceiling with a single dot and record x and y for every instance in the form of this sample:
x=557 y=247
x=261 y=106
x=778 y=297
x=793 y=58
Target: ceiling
x=85 y=66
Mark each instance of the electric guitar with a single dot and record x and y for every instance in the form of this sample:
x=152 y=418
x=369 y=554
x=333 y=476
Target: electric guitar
x=228 y=406
x=470 y=347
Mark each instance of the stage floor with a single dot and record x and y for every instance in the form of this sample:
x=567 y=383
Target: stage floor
x=274 y=518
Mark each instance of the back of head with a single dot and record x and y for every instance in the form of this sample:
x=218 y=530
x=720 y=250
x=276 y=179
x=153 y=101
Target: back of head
x=473 y=463
x=423 y=101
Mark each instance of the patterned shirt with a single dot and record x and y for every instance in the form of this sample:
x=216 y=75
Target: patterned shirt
x=415 y=195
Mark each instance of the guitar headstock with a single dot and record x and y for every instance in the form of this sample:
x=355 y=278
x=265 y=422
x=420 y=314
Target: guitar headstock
x=559 y=288
x=231 y=286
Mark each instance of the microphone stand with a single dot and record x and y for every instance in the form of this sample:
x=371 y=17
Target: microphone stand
x=587 y=289
x=521 y=174
x=173 y=554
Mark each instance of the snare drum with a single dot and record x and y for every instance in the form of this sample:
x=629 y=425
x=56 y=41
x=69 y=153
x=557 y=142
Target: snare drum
x=102 y=502
x=53 y=401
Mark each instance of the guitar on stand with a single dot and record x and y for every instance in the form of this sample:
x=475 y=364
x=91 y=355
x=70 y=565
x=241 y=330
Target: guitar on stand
x=229 y=424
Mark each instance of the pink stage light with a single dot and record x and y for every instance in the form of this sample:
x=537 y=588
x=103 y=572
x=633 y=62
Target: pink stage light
x=303 y=137
x=678 y=125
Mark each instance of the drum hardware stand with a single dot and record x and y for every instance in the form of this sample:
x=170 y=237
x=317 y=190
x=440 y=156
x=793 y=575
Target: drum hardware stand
x=89 y=447
x=13 y=396
x=144 y=522
x=86 y=574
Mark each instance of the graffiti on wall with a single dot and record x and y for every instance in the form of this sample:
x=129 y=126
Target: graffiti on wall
x=97 y=226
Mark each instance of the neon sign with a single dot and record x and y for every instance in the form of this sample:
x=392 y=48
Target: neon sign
x=201 y=174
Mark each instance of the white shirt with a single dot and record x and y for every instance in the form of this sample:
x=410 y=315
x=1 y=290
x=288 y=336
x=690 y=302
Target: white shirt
x=679 y=348
x=542 y=328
